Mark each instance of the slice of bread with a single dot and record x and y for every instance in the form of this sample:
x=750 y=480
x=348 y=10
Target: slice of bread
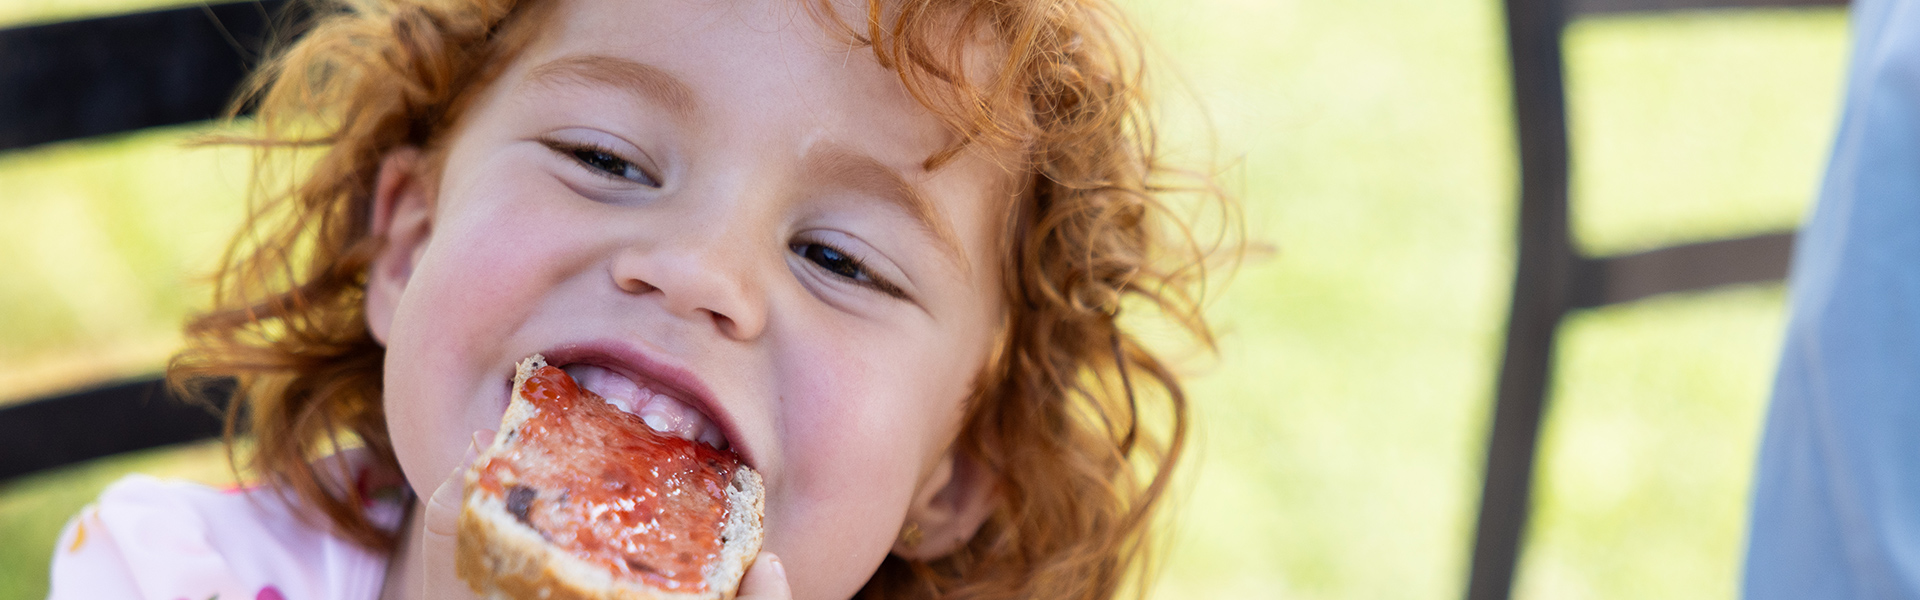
x=502 y=554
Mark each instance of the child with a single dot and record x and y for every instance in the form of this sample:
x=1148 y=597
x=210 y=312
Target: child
x=877 y=249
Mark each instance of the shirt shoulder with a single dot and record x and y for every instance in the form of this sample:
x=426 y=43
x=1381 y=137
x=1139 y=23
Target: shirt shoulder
x=153 y=539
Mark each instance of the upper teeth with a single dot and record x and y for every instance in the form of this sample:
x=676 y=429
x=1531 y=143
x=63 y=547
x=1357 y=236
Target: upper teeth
x=661 y=412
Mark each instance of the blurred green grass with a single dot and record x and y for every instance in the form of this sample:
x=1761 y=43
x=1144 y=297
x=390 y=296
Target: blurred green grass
x=1341 y=430
x=106 y=245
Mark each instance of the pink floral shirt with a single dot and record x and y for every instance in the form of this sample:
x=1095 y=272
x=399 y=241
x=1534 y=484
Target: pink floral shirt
x=150 y=539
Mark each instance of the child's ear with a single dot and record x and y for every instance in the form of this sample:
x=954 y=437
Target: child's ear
x=948 y=509
x=402 y=220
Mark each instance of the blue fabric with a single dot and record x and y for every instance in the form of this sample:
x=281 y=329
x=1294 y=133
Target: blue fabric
x=1836 y=504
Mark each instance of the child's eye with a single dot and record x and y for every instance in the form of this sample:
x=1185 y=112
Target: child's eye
x=605 y=163
x=843 y=265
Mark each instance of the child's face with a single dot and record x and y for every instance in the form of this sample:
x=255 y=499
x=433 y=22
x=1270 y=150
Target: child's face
x=723 y=202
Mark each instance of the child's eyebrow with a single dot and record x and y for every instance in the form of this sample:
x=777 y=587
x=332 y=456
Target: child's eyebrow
x=647 y=81
x=832 y=163
x=840 y=166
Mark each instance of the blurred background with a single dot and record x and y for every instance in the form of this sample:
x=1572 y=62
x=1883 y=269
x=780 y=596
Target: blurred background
x=1341 y=430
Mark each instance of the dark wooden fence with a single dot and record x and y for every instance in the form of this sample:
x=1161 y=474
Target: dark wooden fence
x=95 y=77
x=1551 y=277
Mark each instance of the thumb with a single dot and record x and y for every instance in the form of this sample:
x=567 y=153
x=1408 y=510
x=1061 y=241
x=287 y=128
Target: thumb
x=442 y=525
x=765 y=580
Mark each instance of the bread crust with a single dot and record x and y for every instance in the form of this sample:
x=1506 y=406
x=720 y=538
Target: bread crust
x=502 y=558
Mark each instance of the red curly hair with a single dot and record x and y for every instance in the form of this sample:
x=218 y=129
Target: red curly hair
x=1080 y=423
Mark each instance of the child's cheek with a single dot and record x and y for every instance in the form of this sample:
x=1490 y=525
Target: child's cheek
x=850 y=460
x=502 y=259
x=508 y=238
x=495 y=252
x=860 y=420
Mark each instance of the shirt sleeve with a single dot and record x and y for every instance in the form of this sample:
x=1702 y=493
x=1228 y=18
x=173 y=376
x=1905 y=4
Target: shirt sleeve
x=150 y=539
x=1836 y=503
x=87 y=563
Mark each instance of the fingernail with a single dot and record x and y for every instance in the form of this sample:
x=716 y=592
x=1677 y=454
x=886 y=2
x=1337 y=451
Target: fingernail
x=778 y=568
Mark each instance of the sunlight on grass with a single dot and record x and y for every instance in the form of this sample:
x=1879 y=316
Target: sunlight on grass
x=115 y=238
x=1699 y=126
x=1338 y=433
x=1647 y=456
x=1343 y=430
x=29 y=12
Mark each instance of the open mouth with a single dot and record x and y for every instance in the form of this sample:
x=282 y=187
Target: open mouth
x=657 y=407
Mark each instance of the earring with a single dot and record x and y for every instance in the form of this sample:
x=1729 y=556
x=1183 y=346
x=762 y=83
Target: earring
x=911 y=535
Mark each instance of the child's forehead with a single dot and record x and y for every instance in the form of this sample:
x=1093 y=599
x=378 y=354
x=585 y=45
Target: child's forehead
x=725 y=53
x=783 y=35
x=710 y=59
x=700 y=78
x=792 y=28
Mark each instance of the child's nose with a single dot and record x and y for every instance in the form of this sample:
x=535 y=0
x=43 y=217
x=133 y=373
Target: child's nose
x=695 y=282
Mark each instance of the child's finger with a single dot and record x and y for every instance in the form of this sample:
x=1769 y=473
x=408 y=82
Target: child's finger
x=765 y=580
x=443 y=507
x=442 y=517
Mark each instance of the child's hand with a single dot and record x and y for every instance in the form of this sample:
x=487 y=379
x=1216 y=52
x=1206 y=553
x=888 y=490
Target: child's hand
x=766 y=580
x=442 y=517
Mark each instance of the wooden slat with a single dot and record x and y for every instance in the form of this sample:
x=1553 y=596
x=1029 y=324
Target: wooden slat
x=78 y=79
x=1594 y=7
x=1687 y=268
x=1543 y=268
x=125 y=417
x=1551 y=279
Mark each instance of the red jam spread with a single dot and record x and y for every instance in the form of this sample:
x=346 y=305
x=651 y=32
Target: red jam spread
x=599 y=483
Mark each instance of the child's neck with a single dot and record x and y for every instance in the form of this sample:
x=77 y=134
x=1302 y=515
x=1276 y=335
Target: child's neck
x=404 y=576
